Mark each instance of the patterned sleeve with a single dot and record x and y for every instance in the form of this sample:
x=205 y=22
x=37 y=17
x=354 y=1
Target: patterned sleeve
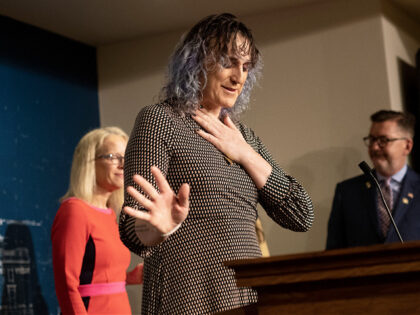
x=282 y=197
x=149 y=145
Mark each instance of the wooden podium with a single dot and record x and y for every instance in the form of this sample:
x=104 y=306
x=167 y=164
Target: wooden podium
x=380 y=279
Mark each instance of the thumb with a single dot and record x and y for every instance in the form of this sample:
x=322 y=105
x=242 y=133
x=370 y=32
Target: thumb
x=183 y=195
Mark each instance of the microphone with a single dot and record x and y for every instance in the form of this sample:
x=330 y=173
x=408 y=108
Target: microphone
x=368 y=171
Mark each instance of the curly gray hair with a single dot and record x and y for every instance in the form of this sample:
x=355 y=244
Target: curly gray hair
x=209 y=40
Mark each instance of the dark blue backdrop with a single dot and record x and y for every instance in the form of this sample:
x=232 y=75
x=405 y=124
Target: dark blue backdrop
x=48 y=100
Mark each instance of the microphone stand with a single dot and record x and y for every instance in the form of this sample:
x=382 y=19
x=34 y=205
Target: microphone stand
x=368 y=171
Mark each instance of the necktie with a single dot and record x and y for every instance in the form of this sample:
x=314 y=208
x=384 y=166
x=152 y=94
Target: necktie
x=383 y=217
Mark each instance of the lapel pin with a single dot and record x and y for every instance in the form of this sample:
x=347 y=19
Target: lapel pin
x=368 y=185
x=410 y=195
x=405 y=201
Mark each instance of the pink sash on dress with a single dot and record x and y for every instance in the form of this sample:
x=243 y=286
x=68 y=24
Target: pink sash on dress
x=101 y=288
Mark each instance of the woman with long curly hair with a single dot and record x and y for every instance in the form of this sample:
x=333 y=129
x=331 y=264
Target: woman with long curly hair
x=194 y=175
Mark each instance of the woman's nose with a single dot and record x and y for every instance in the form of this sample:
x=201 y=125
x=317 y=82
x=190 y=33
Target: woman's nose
x=238 y=75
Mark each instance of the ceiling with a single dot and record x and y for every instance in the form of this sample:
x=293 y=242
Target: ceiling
x=410 y=7
x=101 y=22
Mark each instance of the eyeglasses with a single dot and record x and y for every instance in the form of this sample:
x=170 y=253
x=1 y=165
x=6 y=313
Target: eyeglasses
x=382 y=141
x=115 y=159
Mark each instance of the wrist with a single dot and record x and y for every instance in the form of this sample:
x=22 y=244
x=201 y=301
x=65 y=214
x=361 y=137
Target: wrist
x=172 y=231
x=247 y=156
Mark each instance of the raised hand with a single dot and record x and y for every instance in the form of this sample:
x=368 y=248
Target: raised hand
x=166 y=210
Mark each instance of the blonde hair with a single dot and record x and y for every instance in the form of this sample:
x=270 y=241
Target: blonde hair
x=83 y=176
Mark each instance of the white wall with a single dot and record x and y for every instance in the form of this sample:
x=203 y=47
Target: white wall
x=325 y=73
x=130 y=77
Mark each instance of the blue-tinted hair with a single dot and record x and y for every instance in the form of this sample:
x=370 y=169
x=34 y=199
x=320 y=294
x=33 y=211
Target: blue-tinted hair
x=208 y=42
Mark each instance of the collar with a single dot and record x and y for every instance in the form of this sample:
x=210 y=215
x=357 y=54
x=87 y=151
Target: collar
x=397 y=177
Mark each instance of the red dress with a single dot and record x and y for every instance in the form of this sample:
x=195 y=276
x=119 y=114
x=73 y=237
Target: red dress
x=88 y=254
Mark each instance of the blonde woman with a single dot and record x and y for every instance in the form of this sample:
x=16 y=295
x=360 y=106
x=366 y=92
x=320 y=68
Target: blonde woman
x=89 y=259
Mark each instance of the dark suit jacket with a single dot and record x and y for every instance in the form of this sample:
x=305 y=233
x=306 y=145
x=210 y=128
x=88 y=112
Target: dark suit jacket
x=354 y=221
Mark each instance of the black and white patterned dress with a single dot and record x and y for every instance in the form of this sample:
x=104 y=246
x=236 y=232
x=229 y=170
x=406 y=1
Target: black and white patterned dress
x=185 y=274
